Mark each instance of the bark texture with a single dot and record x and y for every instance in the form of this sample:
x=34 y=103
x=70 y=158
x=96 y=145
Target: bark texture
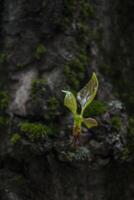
x=47 y=46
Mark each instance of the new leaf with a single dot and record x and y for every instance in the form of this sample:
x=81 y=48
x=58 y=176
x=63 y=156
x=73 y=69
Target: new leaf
x=70 y=101
x=87 y=93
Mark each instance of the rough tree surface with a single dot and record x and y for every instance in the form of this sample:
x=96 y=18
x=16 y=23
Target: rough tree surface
x=47 y=46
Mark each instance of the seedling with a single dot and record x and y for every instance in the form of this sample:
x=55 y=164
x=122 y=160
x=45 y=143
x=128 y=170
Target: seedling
x=85 y=96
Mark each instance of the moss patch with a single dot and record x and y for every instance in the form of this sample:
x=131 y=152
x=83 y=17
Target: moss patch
x=38 y=92
x=74 y=70
x=40 y=51
x=116 y=122
x=96 y=108
x=4 y=100
x=15 y=138
x=53 y=108
x=35 y=130
x=4 y=121
x=43 y=102
x=129 y=149
x=81 y=12
x=4 y=103
x=82 y=9
x=38 y=87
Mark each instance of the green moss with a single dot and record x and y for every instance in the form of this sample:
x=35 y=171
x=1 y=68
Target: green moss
x=116 y=122
x=38 y=87
x=38 y=94
x=4 y=100
x=4 y=103
x=53 y=109
x=84 y=34
x=4 y=121
x=74 y=70
x=40 y=97
x=125 y=153
x=83 y=9
x=3 y=58
x=35 y=130
x=71 y=76
x=83 y=58
x=77 y=64
x=15 y=138
x=53 y=104
x=86 y=10
x=69 y=10
x=40 y=51
x=96 y=108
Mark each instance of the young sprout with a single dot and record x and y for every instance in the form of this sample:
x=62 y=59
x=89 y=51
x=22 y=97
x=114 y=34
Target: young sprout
x=85 y=96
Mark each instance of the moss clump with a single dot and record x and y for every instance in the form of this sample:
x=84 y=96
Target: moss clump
x=131 y=127
x=129 y=148
x=53 y=104
x=71 y=77
x=74 y=70
x=3 y=58
x=116 y=122
x=4 y=120
x=15 y=138
x=4 y=100
x=38 y=95
x=81 y=12
x=69 y=10
x=40 y=51
x=125 y=153
x=38 y=88
x=83 y=9
x=86 y=10
x=35 y=130
x=96 y=108
x=43 y=102
x=53 y=109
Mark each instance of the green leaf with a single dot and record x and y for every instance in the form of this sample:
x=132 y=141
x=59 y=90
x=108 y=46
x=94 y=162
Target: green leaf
x=86 y=95
x=70 y=101
x=90 y=122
